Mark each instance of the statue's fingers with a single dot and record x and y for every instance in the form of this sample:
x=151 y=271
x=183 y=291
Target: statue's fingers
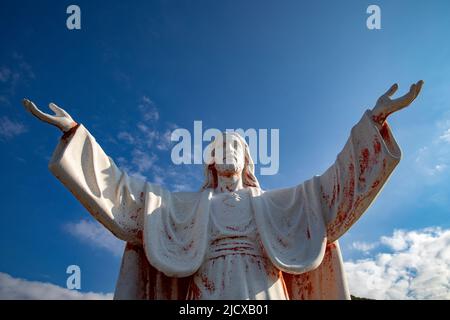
x=31 y=107
x=59 y=111
x=391 y=90
x=55 y=109
x=419 y=85
x=406 y=99
x=35 y=111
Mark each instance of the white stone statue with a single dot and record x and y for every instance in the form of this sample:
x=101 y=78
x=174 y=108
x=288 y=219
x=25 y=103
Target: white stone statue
x=231 y=240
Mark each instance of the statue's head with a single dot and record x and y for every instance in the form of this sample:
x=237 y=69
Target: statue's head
x=229 y=155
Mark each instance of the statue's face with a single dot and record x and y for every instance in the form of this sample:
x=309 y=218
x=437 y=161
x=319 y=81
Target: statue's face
x=229 y=156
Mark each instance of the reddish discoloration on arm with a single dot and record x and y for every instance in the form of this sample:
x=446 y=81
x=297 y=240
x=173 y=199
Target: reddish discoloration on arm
x=68 y=134
x=349 y=204
x=376 y=146
x=384 y=132
x=363 y=164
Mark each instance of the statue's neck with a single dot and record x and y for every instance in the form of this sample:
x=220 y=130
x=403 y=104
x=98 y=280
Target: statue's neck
x=229 y=183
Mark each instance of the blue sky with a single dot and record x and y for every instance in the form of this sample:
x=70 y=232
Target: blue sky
x=138 y=69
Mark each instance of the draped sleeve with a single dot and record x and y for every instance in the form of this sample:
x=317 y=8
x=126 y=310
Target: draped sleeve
x=176 y=231
x=112 y=197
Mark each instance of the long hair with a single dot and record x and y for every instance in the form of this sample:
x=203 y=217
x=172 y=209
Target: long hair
x=248 y=173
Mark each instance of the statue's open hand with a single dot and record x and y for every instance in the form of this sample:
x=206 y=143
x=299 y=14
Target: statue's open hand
x=61 y=119
x=385 y=105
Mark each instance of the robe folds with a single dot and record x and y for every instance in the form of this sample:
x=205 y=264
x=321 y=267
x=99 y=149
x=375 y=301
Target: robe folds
x=167 y=233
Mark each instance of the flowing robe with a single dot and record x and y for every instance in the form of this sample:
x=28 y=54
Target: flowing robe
x=168 y=234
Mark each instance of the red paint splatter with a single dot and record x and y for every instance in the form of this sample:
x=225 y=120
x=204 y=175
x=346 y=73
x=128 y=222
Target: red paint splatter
x=335 y=228
x=304 y=285
x=376 y=146
x=209 y=285
x=140 y=236
x=363 y=164
x=384 y=131
x=189 y=246
x=375 y=184
x=326 y=197
x=331 y=246
x=379 y=119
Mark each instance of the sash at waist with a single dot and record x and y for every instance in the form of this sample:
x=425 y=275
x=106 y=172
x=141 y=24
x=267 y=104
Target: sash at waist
x=233 y=245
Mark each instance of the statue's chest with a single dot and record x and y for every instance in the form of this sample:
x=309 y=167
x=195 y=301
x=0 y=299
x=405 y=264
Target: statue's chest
x=231 y=214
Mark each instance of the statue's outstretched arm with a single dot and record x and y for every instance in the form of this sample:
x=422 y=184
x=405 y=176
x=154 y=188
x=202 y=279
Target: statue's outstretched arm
x=108 y=193
x=368 y=158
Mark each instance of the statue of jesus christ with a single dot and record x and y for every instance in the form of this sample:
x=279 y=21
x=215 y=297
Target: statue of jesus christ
x=231 y=239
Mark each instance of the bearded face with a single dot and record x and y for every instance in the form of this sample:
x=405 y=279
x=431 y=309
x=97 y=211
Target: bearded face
x=229 y=156
x=232 y=158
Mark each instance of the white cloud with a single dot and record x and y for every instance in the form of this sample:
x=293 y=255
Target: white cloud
x=445 y=136
x=181 y=187
x=434 y=159
x=96 y=235
x=440 y=167
x=17 y=72
x=24 y=66
x=21 y=289
x=10 y=128
x=148 y=109
x=415 y=266
x=164 y=141
x=140 y=165
x=126 y=136
x=142 y=160
x=148 y=136
x=146 y=139
x=138 y=175
x=158 y=180
x=364 y=247
x=399 y=240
